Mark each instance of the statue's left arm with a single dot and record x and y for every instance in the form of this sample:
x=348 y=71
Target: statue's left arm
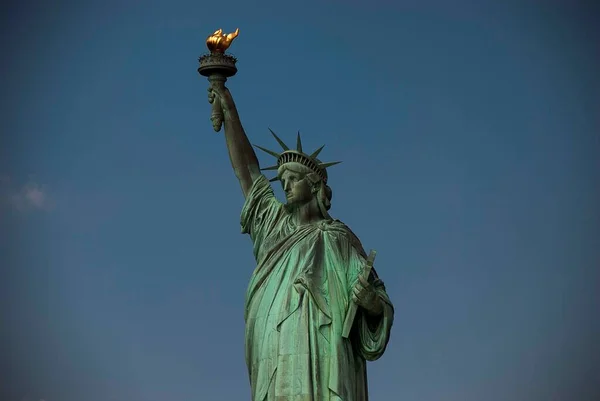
x=375 y=315
x=372 y=327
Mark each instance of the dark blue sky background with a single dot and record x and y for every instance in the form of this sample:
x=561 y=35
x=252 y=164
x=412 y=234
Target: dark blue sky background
x=469 y=135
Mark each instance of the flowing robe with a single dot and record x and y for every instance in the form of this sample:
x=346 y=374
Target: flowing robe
x=296 y=304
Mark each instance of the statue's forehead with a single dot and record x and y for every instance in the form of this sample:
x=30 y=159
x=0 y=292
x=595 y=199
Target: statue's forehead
x=288 y=172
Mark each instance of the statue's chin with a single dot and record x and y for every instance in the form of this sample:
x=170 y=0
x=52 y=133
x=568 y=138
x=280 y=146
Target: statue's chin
x=291 y=203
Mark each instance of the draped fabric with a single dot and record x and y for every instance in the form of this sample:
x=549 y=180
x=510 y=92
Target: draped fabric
x=296 y=303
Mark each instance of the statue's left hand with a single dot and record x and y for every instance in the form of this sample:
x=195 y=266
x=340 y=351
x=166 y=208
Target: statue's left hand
x=364 y=295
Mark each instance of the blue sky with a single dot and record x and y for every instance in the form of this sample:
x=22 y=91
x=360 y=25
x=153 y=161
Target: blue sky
x=469 y=135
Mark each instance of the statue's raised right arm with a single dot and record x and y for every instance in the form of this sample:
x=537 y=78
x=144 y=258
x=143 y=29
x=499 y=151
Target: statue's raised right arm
x=243 y=158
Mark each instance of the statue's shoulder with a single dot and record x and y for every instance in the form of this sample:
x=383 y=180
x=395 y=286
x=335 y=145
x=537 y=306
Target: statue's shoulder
x=338 y=229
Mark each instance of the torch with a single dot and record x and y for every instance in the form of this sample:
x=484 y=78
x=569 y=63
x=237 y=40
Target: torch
x=218 y=66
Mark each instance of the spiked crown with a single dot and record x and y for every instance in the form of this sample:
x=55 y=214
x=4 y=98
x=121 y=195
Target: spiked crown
x=297 y=156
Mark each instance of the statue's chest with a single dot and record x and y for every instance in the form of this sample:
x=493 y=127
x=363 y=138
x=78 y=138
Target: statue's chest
x=279 y=236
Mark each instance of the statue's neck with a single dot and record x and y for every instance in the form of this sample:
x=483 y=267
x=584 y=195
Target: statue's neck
x=306 y=213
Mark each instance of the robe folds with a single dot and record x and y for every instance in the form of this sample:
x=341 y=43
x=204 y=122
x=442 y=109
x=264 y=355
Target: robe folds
x=296 y=304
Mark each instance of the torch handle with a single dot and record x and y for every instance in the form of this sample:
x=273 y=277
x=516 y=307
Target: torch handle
x=216 y=115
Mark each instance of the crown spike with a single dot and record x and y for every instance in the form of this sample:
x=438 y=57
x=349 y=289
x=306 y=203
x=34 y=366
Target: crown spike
x=270 y=168
x=325 y=165
x=316 y=152
x=274 y=154
x=281 y=143
x=299 y=143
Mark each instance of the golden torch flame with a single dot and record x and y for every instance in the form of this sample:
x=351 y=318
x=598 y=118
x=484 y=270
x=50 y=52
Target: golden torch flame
x=218 y=42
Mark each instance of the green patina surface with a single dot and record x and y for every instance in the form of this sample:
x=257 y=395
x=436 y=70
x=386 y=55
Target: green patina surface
x=296 y=304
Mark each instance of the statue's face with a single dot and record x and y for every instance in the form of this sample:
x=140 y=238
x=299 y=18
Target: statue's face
x=296 y=187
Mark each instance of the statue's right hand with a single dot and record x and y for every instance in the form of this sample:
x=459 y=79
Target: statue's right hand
x=211 y=95
x=221 y=94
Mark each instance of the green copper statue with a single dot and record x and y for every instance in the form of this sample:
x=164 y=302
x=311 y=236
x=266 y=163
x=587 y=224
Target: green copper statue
x=315 y=311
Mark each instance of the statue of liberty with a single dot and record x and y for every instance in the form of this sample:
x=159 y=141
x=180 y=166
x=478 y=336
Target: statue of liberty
x=315 y=309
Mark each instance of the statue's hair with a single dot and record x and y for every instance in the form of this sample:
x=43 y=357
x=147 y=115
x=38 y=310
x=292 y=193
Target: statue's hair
x=295 y=167
x=313 y=178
